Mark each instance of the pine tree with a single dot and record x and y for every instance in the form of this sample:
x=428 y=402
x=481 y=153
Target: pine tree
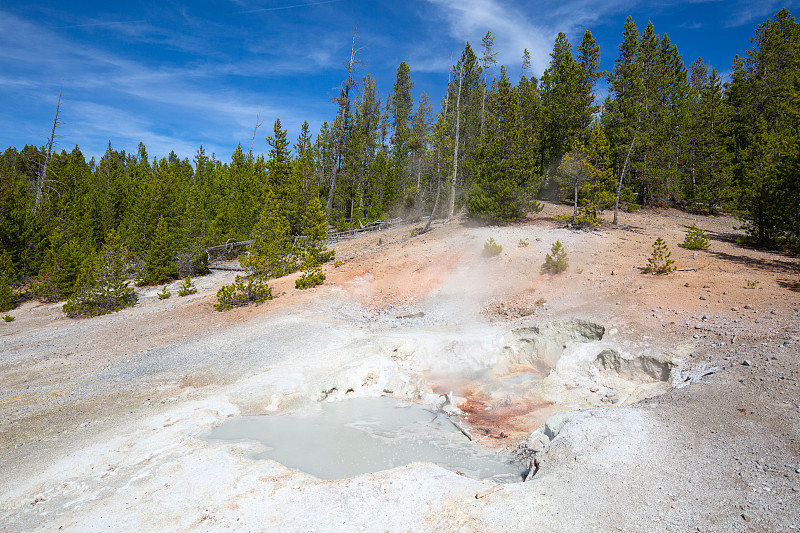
x=561 y=102
x=312 y=249
x=159 y=263
x=764 y=94
x=8 y=279
x=271 y=250
x=623 y=110
x=506 y=186
x=282 y=179
x=103 y=286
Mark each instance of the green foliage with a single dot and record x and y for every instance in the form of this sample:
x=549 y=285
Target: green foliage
x=271 y=252
x=659 y=261
x=8 y=277
x=764 y=94
x=60 y=270
x=523 y=243
x=187 y=287
x=311 y=245
x=556 y=261
x=311 y=249
x=159 y=264
x=6 y=295
x=751 y=283
x=8 y=318
x=695 y=239
x=102 y=285
x=254 y=290
x=491 y=248
x=505 y=187
x=310 y=279
x=163 y=294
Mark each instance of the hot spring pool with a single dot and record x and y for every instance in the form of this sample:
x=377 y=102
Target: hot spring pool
x=364 y=435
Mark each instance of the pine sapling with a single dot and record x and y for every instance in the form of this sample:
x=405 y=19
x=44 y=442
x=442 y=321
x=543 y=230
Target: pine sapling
x=556 y=261
x=660 y=262
x=187 y=287
x=163 y=294
x=695 y=239
x=491 y=248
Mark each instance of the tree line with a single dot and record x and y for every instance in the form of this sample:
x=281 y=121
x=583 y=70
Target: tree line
x=666 y=135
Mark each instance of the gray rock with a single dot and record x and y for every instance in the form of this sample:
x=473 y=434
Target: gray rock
x=747 y=362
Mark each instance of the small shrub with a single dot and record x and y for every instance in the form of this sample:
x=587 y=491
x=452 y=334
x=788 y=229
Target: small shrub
x=751 y=283
x=164 y=293
x=240 y=293
x=556 y=261
x=491 y=248
x=187 y=287
x=338 y=263
x=660 y=262
x=311 y=279
x=523 y=243
x=586 y=220
x=8 y=318
x=695 y=239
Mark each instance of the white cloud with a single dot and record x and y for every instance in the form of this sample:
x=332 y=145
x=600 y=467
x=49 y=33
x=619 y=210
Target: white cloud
x=533 y=25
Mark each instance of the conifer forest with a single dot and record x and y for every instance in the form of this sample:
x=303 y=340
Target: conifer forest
x=669 y=133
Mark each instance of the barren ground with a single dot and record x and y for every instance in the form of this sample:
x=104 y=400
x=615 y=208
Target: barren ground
x=102 y=420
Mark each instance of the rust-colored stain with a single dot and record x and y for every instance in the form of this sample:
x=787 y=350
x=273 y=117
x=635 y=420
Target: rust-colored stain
x=501 y=418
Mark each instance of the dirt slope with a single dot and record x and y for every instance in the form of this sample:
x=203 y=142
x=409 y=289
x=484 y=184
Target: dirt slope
x=721 y=453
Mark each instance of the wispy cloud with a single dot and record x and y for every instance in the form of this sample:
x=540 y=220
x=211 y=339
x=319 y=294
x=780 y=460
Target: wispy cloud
x=281 y=8
x=516 y=26
x=746 y=12
x=111 y=97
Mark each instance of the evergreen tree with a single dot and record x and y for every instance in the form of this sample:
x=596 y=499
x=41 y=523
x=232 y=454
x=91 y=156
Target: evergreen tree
x=8 y=279
x=506 y=186
x=103 y=286
x=159 y=263
x=561 y=102
x=765 y=95
x=271 y=249
x=282 y=179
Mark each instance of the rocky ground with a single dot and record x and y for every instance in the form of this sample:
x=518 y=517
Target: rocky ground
x=682 y=415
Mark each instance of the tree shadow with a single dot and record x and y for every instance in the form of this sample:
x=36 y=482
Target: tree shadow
x=724 y=236
x=792 y=285
x=783 y=266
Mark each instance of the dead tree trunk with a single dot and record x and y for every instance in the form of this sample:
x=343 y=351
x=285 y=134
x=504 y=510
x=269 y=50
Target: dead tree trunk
x=439 y=158
x=344 y=105
x=452 y=208
x=622 y=175
x=41 y=178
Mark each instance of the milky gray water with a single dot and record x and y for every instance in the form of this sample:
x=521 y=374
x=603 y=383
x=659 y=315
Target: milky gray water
x=365 y=435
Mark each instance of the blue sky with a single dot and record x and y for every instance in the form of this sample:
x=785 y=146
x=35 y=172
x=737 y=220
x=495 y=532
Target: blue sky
x=176 y=75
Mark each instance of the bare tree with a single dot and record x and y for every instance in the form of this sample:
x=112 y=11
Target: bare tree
x=42 y=181
x=352 y=64
x=622 y=175
x=440 y=134
x=452 y=208
x=488 y=59
x=258 y=123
